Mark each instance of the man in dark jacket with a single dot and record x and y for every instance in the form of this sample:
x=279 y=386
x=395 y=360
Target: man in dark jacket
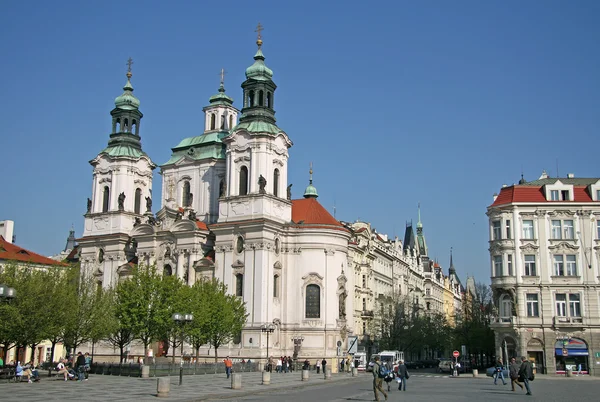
x=514 y=373
x=526 y=373
x=402 y=375
x=377 y=381
x=80 y=364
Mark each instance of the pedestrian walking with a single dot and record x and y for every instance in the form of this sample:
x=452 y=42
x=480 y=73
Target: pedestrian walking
x=526 y=373
x=318 y=366
x=499 y=372
x=228 y=366
x=514 y=374
x=342 y=364
x=324 y=365
x=378 y=376
x=80 y=364
x=402 y=375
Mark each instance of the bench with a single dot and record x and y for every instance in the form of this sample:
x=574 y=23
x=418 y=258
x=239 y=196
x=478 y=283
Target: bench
x=7 y=373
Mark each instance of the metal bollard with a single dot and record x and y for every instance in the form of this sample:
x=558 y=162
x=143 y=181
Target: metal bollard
x=163 y=387
x=236 y=381
x=305 y=375
x=266 y=377
x=327 y=374
x=354 y=372
x=145 y=371
x=475 y=372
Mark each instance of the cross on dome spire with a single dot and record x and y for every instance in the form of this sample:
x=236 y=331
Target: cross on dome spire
x=258 y=30
x=222 y=74
x=129 y=63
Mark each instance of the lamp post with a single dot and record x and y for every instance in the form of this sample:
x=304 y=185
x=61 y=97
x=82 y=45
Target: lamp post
x=181 y=320
x=268 y=329
x=7 y=293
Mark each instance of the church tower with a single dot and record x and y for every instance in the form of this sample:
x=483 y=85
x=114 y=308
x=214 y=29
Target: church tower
x=121 y=189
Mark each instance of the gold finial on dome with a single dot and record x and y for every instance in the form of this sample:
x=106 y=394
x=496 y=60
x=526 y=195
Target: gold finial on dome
x=311 y=172
x=129 y=63
x=259 y=29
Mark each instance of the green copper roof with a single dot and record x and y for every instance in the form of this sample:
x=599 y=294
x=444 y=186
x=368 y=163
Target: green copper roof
x=220 y=98
x=259 y=71
x=311 y=192
x=203 y=146
x=127 y=100
x=258 y=126
x=123 y=151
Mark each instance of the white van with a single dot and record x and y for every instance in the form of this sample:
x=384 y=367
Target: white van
x=391 y=356
x=361 y=358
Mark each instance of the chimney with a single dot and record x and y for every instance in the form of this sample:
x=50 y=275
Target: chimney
x=7 y=229
x=570 y=176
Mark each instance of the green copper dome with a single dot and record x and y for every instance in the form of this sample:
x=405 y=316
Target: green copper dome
x=220 y=98
x=127 y=100
x=259 y=71
x=311 y=192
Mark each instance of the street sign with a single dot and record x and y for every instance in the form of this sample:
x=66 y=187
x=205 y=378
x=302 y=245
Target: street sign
x=455 y=353
x=463 y=350
x=565 y=352
x=352 y=345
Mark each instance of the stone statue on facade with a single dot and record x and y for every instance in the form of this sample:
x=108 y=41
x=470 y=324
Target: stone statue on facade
x=148 y=204
x=262 y=183
x=192 y=215
x=223 y=189
x=89 y=206
x=289 y=192
x=121 y=201
x=342 y=302
x=138 y=221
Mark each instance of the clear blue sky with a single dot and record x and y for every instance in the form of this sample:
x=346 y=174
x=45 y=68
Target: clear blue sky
x=395 y=102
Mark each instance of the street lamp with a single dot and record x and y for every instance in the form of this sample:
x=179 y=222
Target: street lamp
x=181 y=320
x=7 y=293
x=268 y=329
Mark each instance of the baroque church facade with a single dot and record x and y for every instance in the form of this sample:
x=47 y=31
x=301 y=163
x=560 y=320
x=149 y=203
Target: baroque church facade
x=226 y=212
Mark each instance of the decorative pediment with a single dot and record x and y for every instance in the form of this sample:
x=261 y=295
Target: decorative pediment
x=238 y=264
x=563 y=247
x=529 y=248
x=277 y=162
x=242 y=159
x=277 y=265
x=495 y=248
x=562 y=213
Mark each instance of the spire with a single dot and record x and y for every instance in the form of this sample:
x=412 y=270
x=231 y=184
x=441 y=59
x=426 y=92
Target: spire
x=451 y=270
x=311 y=191
x=70 y=240
x=127 y=101
x=420 y=236
x=419 y=224
x=220 y=98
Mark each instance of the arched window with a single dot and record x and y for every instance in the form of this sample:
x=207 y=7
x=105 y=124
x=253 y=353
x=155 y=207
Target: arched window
x=134 y=127
x=138 y=201
x=101 y=255
x=269 y=102
x=276 y=182
x=313 y=301
x=261 y=98
x=243 y=180
x=250 y=98
x=505 y=308
x=275 y=285
x=126 y=125
x=239 y=285
x=167 y=270
x=186 y=201
x=223 y=121
x=105 y=199
x=212 y=121
x=222 y=188
x=117 y=126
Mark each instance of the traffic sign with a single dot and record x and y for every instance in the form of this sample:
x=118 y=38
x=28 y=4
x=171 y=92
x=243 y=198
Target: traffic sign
x=455 y=353
x=352 y=345
x=565 y=352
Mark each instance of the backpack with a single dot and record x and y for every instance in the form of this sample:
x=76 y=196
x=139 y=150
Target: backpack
x=382 y=372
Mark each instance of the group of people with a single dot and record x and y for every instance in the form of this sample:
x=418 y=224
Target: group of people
x=282 y=364
x=75 y=369
x=518 y=372
x=387 y=371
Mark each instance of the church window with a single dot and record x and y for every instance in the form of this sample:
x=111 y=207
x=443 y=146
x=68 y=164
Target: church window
x=101 y=255
x=239 y=244
x=277 y=246
x=212 y=121
x=243 y=180
x=167 y=270
x=186 y=201
x=239 y=285
x=105 y=199
x=222 y=188
x=313 y=301
x=276 y=182
x=261 y=98
x=250 y=98
x=269 y=102
x=134 y=127
x=275 y=285
x=138 y=200
x=117 y=128
x=223 y=121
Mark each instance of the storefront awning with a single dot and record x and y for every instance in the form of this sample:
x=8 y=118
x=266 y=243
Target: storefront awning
x=572 y=352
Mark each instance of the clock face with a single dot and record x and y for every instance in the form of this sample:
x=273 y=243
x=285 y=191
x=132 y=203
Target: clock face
x=239 y=245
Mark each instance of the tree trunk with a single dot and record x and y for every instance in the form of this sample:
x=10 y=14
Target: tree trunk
x=216 y=354
x=121 y=352
x=33 y=345
x=54 y=342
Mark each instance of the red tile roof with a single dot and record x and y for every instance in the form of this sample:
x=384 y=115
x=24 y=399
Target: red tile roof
x=308 y=211
x=201 y=225
x=535 y=194
x=11 y=252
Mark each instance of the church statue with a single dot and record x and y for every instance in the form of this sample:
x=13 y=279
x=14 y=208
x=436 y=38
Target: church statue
x=223 y=189
x=342 y=301
x=289 y=192
x=89 y=206
x=192 y=215
x=178 y=216
x=148 y=204
x=262 y=183
x=138 y=221
x=121 y=201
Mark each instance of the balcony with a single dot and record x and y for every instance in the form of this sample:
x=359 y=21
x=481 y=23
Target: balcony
x=504 y=281
x=502 y=322
x=567 y=322
x=366 y=314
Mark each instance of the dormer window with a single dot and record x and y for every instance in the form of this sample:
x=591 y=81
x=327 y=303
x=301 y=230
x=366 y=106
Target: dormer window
x=564 y=194
x=554 y=195
x=559 y=192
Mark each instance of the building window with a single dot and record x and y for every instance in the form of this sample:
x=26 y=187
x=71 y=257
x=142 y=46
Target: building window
x=276 y=182
x=554 y=195
x=364 y=281
x=213 y=122
x=243 y=180
x=427 y=291
x=105 y=199
x=138 y=201
x=187 y=194
x=222 y=188
x=562 y=269
x=574 y=305
x=275 y=285
x=528 y=229
x=509 y=260
x=598 y=228
x=239 y=285
x=505 y=307
x=313 y=301
x=561 y=305
x=508 y=230
x=562 y=230
x=532 y=305
x=428 y=306
x=530 y=265
x=364 y=327
x=496 y=230
x=565 y=195
x=497 y=265
x=364 y=304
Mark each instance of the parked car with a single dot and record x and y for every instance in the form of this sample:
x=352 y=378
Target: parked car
x=445 y=366
x=490 y=372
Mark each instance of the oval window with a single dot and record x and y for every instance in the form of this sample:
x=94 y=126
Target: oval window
x=276 y=246
x=239 y=245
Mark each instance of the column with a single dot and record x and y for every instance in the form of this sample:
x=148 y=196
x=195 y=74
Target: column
x=180 y=263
